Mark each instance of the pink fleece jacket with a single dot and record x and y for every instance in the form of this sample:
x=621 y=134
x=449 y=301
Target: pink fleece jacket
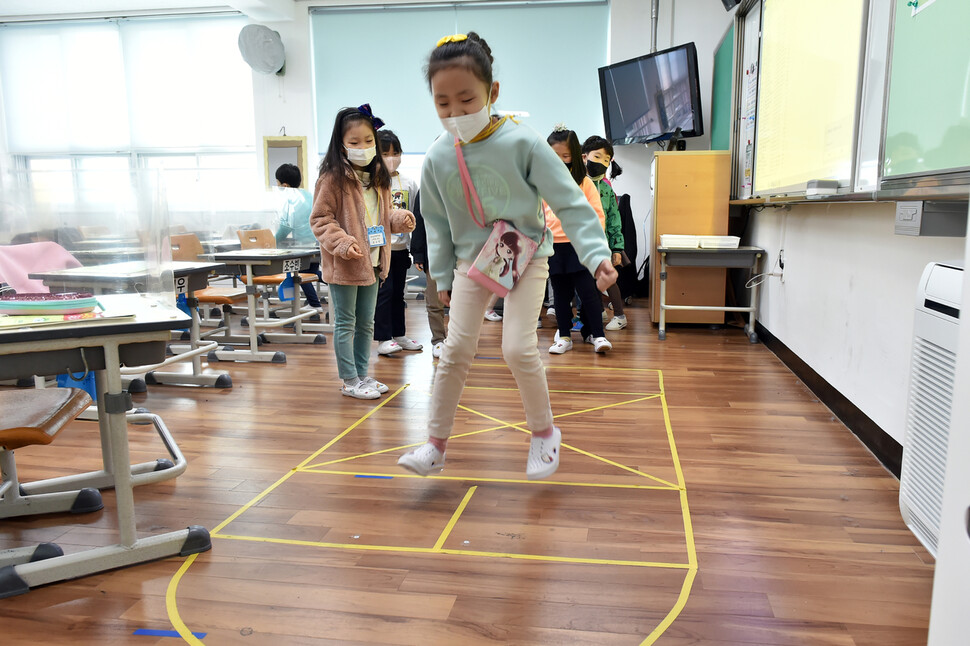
x=337 y=221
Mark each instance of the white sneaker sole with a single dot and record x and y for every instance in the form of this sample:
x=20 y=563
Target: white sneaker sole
x=415 y=467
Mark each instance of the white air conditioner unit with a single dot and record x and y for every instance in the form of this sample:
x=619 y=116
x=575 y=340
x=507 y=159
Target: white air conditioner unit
x=930 y=398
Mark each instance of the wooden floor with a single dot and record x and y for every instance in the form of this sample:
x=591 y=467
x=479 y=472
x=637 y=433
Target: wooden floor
x=705 y=497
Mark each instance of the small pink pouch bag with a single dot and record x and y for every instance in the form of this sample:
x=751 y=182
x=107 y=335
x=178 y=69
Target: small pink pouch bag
x=506 y=253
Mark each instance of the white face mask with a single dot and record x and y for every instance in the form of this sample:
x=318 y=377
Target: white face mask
x=467 y=126
x=362 y=156
x=392 y=163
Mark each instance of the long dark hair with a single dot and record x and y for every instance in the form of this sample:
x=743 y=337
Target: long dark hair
x=597 y=143
x=576 y=168
x=473 y=49
x=511 y=240
x=335 y=162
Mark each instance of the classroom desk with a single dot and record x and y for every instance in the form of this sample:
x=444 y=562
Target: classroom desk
x=132 y=276
x=104 y=255
x=742 y=257
x=267 y=262
x=103 y=346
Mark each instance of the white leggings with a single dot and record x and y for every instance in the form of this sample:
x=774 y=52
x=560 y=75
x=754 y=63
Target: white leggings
x=519 y=346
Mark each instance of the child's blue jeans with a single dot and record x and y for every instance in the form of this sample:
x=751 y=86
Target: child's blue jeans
x=353 y=327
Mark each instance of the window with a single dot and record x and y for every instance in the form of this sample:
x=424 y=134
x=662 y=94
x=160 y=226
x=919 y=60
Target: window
x=119 y=85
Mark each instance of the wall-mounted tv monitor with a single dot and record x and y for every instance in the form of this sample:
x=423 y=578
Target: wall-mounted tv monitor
x=648 y=98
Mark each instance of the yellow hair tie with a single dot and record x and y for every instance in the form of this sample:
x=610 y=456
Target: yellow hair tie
x=454 y=38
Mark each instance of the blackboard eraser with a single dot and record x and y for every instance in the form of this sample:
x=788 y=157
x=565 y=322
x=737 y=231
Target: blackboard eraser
x=820 y=187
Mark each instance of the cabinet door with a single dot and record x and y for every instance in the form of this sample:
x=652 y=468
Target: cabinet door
x=690 y=197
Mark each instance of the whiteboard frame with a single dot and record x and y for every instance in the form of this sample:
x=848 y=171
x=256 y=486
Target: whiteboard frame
x=945 y=183
x=737 y=148
x=846 y=185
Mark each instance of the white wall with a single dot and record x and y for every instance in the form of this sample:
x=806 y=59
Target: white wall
x=846 y=304
x=287 y=101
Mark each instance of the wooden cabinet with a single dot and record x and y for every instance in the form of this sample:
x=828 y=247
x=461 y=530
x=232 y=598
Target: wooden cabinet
x=690 y=196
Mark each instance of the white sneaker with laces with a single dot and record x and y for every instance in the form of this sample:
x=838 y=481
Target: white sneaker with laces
x=600 y=343
x=438 y=348
x=423 y=460
x=551 y=311
x=543 y=455
x=407 y=344
x=617 y=323
x=388 y=347
x=362 y=390
x=376 y=385
x=561 y=346
x=492 y=315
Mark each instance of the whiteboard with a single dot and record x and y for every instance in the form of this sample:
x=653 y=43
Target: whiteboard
x=808 y=93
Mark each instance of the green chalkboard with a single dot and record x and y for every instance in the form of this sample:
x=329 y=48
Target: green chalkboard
x=928 y=111
x=721 y=93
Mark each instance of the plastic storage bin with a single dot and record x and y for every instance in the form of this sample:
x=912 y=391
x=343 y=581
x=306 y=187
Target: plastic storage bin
x=676 y=241
x=719 y=242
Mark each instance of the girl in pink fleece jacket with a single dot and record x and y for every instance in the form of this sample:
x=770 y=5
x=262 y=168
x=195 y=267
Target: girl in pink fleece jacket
x=353 y=218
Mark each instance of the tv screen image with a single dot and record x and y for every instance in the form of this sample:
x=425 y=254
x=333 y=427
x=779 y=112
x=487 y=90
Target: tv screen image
x=648 y=98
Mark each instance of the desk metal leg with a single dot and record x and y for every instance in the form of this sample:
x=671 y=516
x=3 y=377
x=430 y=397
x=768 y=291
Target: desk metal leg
x=197 y=378
x=299 y=328
x=662 y=333
x=253 y=353
x=18 y=579
x=753 y=315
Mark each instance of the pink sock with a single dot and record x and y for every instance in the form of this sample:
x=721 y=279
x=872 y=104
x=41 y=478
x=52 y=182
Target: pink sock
x=544 y=434
x=438 y=443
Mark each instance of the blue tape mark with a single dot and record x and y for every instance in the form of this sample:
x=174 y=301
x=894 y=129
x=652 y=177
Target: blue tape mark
x=376 y=477
x=148 y=632
x=478 y=356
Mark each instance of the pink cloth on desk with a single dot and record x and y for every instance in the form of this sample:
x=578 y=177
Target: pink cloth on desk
x=17 y=261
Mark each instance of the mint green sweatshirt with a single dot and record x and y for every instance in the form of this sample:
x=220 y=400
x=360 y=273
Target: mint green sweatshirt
x=513 y=169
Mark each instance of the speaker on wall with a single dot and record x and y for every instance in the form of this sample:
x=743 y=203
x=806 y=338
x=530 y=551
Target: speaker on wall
x=730 y=4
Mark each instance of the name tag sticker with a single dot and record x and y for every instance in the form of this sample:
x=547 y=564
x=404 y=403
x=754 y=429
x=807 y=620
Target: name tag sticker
x=376 y=237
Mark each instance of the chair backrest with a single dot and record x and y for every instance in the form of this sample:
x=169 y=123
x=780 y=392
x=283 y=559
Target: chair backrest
x=17 y=261
x=256 y=239
x=186 y=247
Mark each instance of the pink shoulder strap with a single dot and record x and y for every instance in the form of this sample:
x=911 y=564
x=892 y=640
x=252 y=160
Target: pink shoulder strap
x=469 y=187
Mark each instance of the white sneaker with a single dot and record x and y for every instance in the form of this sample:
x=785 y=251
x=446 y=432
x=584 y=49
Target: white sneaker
x=561 y=346
x=362 y=390
x=543 y=456
x=376 y=385
x=551 y=311
x=388 y=347
x=438 y=348
x=423 y=460
x=600 y=343
x=617 y=323
x=407 y=343
x=492 y=315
